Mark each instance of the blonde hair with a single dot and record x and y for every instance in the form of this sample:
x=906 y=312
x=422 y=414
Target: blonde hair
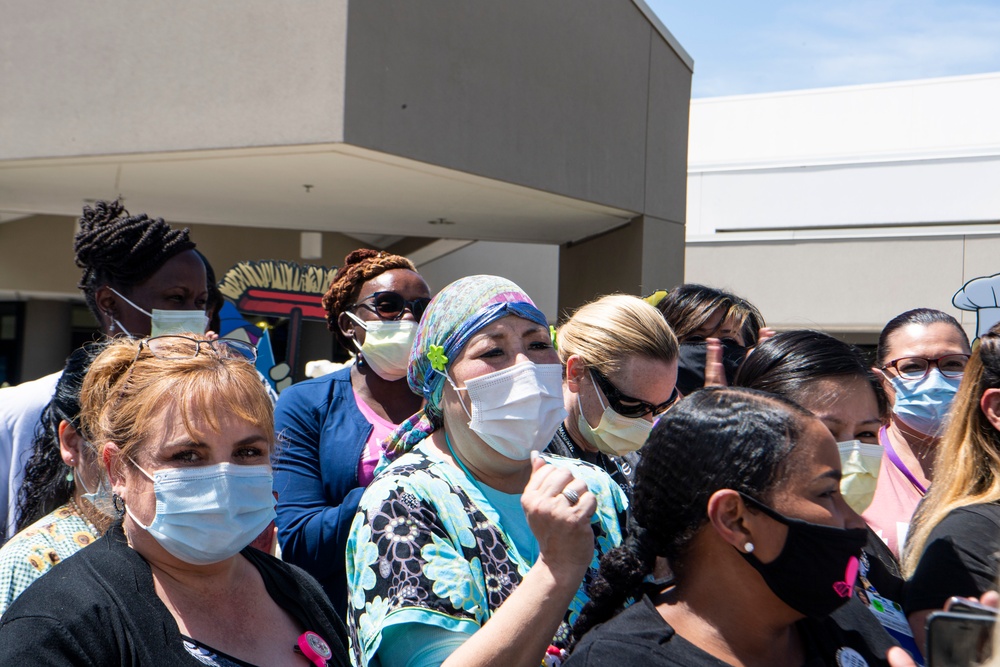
x=128 y=388
x=606 y=332
x=967 y=460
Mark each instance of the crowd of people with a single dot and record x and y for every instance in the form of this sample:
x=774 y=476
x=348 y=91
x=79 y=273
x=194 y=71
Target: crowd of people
x=660 y=480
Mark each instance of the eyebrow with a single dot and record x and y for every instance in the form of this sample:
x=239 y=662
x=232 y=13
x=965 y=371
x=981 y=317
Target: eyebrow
x=836 y=420
x=189 y=442
x=501 y=334
x=835 y=475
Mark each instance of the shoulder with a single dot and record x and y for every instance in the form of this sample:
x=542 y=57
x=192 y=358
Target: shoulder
x=637 y=635
x=325 y=385
x=327 y=401
x=417 y=471
x=27 y=400
x=969 y=521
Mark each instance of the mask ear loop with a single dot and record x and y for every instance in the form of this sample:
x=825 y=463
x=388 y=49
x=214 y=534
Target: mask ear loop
x=438 y=364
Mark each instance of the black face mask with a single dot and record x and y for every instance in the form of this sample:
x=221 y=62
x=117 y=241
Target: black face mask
x=691 y=362
x=816 y=570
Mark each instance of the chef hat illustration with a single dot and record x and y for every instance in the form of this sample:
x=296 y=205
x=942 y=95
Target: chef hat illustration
x=981 y=295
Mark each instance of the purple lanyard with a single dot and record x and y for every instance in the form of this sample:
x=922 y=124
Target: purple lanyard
x=883 y=439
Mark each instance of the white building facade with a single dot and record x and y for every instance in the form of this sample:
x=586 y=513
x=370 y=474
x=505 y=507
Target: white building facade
x=839 y=208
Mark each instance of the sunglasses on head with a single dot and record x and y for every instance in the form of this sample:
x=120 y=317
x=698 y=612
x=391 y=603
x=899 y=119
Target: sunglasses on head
x=390 y=305
x=627 y=406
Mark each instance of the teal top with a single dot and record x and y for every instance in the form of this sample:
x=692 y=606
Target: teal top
x=429 y=546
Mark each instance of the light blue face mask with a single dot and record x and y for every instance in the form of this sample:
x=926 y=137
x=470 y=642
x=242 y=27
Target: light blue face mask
x=208 y=514
x=923 y=404
x=101 y=497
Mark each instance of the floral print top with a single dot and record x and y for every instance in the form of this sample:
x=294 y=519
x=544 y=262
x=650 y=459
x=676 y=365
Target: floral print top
x=40 y=547
x=427 y=547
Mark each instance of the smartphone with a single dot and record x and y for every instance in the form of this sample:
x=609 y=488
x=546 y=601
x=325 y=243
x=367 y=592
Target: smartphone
x=957 y=639
x=969 y=606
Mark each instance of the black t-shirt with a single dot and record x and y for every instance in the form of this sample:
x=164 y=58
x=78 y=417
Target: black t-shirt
x=640 y=636
x=99 y=607
x=958 y=559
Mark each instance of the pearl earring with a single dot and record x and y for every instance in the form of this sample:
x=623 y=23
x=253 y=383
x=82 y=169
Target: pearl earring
x=749 y=547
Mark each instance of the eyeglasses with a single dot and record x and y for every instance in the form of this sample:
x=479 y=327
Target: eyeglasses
x=390 y=305
x=627 y=406
x=172 y=348
x=916 y=368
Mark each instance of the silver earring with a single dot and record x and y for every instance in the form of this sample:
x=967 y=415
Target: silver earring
x=119 y=504
x=748 y=547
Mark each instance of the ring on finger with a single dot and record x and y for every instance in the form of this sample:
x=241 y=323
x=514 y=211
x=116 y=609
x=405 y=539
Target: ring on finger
x=572 y=496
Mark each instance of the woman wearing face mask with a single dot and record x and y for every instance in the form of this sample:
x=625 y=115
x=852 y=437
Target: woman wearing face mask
x=185 y=435
x=332 y=427
x=63 y=505
x=921 y=358
x=714 y=328
x=620 y=358
x=955 y=534
x=763 y=547
x=832 y=380
x=469 y=549
x=139 y=276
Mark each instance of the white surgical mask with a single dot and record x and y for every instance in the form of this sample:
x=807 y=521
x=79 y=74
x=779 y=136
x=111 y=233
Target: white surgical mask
x=860 y=464
x=165 y=322
x=387 y=345
x=210 y=513
x=615 y=435
x=518 y=409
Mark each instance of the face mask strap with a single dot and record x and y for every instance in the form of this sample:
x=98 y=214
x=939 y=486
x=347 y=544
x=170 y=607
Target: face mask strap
x=756 y=504
x=129 y=302
x=593 y=384
x=457 y=389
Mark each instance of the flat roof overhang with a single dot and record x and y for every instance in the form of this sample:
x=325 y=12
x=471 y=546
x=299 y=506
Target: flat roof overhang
x=350 y=190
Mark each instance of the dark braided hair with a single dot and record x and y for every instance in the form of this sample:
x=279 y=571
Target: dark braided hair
x=122 y=250
x=45 y=486
x=359 y=267
x=716 y=438
x=790 y=362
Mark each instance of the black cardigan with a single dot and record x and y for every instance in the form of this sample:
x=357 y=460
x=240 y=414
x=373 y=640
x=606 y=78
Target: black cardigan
x=99 y=607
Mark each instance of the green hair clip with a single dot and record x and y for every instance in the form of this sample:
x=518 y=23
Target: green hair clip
x=437 y=357
x=552 y=335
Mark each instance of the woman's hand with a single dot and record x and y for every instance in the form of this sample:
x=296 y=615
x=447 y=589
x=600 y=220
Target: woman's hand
x=897 y=657
x=715 y=372
x=562 y=528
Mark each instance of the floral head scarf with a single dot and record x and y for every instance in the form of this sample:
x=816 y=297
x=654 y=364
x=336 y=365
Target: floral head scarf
x=456 y=314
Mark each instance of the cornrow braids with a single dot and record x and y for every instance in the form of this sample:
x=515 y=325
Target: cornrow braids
x=359 y=267
x=118 y=249
x=728 y=438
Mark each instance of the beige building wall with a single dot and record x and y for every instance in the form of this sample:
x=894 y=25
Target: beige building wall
x=849 y=286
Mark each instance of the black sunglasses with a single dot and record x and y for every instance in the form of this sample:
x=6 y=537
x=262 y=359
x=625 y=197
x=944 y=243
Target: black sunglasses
x=627 y=406
x=390 y=305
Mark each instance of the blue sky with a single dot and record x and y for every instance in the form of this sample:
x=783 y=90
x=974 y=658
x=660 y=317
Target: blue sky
x=742 y=46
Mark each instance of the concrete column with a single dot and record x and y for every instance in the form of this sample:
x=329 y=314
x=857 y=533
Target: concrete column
x=642 y=256
x=47 y=338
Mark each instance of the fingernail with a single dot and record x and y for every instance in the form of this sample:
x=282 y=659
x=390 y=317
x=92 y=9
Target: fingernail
x=534 y=454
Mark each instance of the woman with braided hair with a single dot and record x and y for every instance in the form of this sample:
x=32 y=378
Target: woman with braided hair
x=332 y=427
x=134 y=266
x=137 y=274
x=739 y=490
